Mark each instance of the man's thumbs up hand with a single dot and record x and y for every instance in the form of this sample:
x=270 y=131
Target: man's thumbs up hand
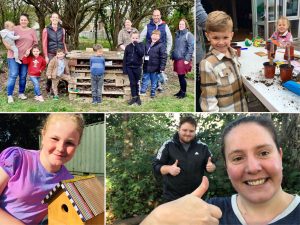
x=174 y=170
x=210 y=167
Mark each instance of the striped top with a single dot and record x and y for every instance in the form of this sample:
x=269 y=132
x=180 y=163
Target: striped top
x=221 y=83
x=86 y=195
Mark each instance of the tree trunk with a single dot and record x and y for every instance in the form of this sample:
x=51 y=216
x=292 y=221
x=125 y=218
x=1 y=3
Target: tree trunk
x=290 y=138
x=127 y=136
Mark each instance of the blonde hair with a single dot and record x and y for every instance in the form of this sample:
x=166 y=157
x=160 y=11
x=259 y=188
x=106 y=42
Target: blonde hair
x=286 y=19
x=7 y=24
x=75 y=117
x=156 y=32
x=218 y=21
x=97 y=47
x=134 y=32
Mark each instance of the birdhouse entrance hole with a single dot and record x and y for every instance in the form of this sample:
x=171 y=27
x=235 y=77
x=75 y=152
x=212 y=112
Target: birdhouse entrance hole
x=65 y=208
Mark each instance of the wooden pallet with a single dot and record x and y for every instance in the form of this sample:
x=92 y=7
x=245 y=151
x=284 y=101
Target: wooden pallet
x=106 y=92
x=115 y=82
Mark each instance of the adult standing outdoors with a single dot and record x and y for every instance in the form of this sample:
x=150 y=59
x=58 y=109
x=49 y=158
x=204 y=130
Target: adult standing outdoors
x=156 y=23
x=182 y=161
x=201 y=17
x=182 y=55
x=124 y=35
x=253 y=161
x=27 y=39
x=53 y=38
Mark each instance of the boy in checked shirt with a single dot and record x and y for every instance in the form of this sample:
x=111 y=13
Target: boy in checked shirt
x=221 y=81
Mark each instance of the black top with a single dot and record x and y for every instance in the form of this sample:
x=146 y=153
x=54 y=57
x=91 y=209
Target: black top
x=191 y=162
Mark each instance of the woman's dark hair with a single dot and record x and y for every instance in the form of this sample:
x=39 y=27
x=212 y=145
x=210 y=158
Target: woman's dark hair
x=188 y=119
x=260 y=120
x=25 y=14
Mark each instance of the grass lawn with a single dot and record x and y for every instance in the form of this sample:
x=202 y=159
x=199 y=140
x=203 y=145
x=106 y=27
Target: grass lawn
x=163 y=102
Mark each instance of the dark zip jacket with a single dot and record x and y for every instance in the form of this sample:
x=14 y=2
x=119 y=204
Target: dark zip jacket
x=157 y=57
x=133 y=56
x=192 y=164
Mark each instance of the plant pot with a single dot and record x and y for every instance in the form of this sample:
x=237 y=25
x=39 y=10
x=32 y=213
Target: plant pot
x=269 y=70
x=238 y=50
x=291 y=53
x=286 y=72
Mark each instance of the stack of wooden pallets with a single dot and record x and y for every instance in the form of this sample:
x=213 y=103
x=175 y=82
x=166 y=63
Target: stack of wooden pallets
x=115 y=82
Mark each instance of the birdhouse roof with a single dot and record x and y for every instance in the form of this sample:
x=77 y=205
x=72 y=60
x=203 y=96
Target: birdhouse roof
x=86 y=195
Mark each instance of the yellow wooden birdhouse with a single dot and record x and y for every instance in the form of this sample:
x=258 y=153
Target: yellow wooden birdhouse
x=76 y=202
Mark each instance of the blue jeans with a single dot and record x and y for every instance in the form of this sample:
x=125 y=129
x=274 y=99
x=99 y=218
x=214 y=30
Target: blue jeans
x=97 y=84
x=15 y=70
x=153 y=77
x=36 y=85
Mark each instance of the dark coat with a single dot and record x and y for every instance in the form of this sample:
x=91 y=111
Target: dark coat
x=157 y=57
x=191 y=162
x=184 y=45
x=133 y=56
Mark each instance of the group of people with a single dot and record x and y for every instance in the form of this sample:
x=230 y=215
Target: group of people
x=151 y=56
x=219 y=82
x=148 y=49
x=253 y=160
x=24 y=56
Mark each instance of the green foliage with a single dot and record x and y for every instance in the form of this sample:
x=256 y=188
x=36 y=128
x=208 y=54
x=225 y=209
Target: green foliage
x=85 y=42
x=190 y=75
x=182 y=12
x=131 y=187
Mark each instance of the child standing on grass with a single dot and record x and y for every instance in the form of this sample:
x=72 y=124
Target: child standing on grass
x=58 y=69
x=282 y=34
x=132 y=65
x=36 y=65
x=27 y=176
x=154 y=63
x=221 y=80
x=9 y=36
x=97 y=65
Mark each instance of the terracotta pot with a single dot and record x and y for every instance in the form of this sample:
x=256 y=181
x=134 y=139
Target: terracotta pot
x=291 y=53
x=269 y=70
x=286 y=72
x=238 y=50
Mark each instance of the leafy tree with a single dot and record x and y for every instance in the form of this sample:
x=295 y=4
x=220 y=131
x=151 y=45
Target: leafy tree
x=131 y=187
x=115 y=12
x=12 y=10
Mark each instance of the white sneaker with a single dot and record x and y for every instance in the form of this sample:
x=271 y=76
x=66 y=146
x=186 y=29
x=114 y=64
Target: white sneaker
x=39 y=98
x=10 y=99
x=22 y=96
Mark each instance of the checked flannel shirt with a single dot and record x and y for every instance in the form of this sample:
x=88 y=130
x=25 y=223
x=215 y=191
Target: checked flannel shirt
x=221 y=83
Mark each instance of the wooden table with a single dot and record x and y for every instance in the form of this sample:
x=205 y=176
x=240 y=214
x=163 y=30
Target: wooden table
x=269 y=91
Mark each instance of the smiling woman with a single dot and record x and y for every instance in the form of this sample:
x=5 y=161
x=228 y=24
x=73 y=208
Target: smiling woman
x=37 y=172
x=253 y=161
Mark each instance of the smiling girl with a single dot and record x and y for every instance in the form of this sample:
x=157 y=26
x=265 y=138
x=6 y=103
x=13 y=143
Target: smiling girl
x=26 y=176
